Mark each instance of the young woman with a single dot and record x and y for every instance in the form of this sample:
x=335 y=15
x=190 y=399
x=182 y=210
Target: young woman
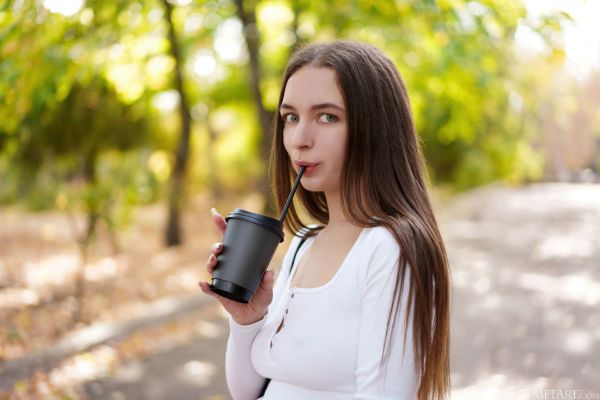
x=363 y=312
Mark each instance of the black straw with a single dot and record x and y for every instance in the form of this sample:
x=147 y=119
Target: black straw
x=291 y=195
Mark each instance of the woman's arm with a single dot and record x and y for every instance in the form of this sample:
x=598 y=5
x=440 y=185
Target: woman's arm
x=397 y=378
x=242 y=379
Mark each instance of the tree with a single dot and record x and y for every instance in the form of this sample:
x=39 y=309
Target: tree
x=246 y=12
x=176 y=189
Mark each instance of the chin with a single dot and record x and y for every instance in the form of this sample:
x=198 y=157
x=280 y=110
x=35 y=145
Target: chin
x=315 y=185
x=311 y=185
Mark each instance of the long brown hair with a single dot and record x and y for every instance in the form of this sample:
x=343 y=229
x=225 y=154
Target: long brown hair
x=382 y=184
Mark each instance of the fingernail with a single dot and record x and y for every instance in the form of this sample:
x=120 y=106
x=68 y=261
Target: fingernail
x=213 y=211
x=216 y=246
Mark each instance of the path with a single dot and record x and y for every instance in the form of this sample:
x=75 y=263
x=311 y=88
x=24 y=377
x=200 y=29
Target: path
x=526 y=272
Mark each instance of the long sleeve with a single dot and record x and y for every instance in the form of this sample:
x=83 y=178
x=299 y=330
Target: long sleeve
x=243 y=381
x=379 y=278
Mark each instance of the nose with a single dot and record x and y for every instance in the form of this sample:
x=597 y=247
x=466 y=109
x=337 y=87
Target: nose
x=302 y=136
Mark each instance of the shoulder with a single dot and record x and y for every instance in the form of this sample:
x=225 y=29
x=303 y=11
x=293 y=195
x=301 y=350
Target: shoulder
x=378 y=258
x=379 y=238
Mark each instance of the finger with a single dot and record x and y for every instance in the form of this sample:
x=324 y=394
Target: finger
x=216 y=248
x=264 y=293
x=211 y=263
x=219 y=220
x=268 y=280
x=205 y=287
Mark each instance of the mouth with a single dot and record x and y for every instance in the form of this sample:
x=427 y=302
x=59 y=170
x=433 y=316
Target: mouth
x=310 y=167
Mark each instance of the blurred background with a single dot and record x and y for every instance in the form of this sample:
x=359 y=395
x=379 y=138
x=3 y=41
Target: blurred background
x=123 y=122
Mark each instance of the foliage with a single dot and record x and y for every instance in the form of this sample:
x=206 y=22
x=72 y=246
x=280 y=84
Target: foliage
x=110 y=59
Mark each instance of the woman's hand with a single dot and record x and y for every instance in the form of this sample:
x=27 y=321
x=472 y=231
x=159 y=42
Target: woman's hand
x=243 y=314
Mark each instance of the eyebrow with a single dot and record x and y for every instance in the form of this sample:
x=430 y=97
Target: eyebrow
x=314 y=107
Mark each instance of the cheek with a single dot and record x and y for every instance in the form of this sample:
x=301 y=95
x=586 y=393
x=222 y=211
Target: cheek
x=337 y=145
x=286 y=143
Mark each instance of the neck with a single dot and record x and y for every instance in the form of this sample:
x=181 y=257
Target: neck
x=336 y=215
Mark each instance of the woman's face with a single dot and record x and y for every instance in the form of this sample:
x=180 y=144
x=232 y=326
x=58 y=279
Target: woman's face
x=315 y=129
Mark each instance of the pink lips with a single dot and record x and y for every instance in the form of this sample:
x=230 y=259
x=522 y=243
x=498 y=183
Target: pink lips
x=310 y=167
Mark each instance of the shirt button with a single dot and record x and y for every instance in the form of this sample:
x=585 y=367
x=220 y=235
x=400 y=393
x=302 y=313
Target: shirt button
x=286 y=310
x=292 y=295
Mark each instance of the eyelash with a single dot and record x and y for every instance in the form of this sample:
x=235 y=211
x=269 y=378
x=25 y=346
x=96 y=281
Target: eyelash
x=335 y=119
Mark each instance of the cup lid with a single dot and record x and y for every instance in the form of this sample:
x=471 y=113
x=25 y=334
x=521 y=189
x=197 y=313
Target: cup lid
x=271 y=224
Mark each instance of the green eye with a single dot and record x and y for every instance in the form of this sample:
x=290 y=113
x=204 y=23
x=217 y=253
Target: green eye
x=290 y=118
x=328 y=118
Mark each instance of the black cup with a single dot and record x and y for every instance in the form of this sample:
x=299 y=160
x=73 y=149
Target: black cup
x=248 y=246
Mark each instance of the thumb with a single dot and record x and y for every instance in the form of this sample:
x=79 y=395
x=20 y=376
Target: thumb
x=265 y=289
x=269 y=279
x=264 y=294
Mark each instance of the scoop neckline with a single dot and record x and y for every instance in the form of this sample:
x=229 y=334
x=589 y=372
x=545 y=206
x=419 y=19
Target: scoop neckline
x=310 y=241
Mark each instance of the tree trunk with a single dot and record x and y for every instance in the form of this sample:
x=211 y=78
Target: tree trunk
x=246 y=13
x=85 y=239
x=177 y=183
x=215 y=184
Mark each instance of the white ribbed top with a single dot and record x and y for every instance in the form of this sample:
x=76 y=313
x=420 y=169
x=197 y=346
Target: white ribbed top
x=332 y=338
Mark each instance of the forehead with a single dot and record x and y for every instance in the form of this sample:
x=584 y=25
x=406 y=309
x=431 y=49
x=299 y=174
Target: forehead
x=312 y=85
